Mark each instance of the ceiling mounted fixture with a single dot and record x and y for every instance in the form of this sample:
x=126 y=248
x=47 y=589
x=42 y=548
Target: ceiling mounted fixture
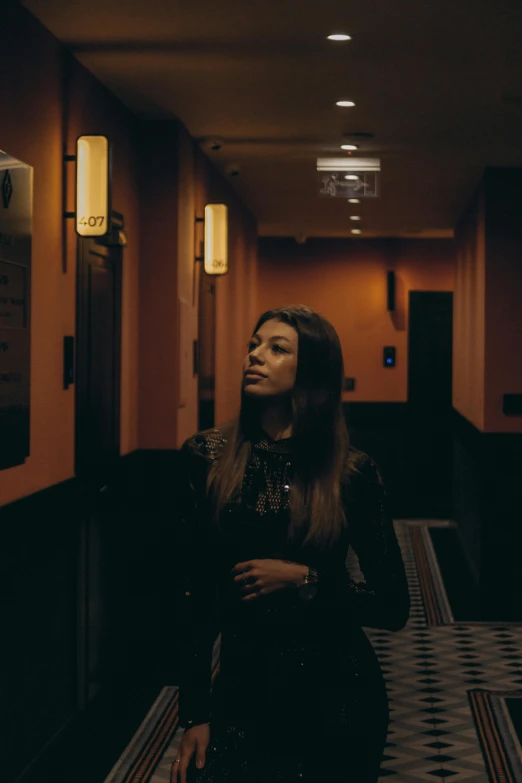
x=348 y=164
x=345 y=103
x=349 y=147
x=339 y=37
x=348 y=177
x=355 y=217
x=356 y=231
x=354 y=201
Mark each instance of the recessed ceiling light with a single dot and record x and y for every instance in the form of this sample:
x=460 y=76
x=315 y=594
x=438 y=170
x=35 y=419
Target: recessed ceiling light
x=349 y=147
x=354 y=201
x=339 y=37
x=352 y=176
x=355 y=217
x=345 y=103
x=356 y=231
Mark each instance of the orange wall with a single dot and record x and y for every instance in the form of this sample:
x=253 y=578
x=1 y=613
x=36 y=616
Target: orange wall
x=187 y=422
x=158 y=286
x=488 y=316
x=345 y=280
x=93 y=109
x=235 y=292
x=31 y=130
x=179 y=181
x=469 y=312
x=158 y=267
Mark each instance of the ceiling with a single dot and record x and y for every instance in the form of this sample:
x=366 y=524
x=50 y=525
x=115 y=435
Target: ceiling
x=438 y=83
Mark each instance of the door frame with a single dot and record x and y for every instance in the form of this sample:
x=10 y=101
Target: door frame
x=82 y=349
x=206 y=354
x=90 y=490
x=451 y=298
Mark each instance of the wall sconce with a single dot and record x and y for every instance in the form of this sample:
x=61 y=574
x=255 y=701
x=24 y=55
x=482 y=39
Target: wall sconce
x=93 y=185
x=216 y=239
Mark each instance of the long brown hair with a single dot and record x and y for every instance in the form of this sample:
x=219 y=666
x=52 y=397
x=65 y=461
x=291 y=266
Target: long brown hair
x=319 y=434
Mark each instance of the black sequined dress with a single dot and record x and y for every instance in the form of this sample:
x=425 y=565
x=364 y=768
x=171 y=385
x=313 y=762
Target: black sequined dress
x=299 y=695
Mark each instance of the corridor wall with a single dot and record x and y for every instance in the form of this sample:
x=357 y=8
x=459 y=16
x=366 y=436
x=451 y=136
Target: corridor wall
x=48 y=99
x=236 y=292
x=184 y=180
x=32 y=131
x=345 y=280
x=488 y=346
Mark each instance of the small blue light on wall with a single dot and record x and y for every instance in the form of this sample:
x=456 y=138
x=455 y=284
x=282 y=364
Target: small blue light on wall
x=389 y=356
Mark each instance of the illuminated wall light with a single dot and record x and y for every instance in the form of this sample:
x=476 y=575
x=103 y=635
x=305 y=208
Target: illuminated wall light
x=353 y=177
x=355 y=217
x=339 y=37
x=354 y=201
x=345 y=103
x=92 y=186
x=216 y=239
x=349 y=147
x=356 y=231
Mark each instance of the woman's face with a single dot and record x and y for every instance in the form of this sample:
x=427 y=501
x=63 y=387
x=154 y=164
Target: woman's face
x=270 y=366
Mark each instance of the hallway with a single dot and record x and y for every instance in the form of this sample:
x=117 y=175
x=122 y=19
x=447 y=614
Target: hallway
x=455 y=690
x=172 y=173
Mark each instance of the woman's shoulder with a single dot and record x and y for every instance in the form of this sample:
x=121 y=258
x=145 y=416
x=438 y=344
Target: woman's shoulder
x=358 y=461
x=207 y=444
x=360 y=468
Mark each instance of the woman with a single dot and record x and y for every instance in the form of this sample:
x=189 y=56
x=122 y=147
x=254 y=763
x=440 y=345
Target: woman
x=273 y=500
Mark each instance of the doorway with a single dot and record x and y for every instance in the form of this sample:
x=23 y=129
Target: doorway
x=429 y=442
x=206 y=351
x=97 y=449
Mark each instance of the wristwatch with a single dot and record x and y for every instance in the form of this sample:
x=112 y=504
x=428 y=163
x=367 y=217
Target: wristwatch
x=309 y=587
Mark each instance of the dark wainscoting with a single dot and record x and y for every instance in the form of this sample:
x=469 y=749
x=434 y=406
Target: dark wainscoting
x=379 y=429
x=487 y=502
x=41 y=551
x=413 y=450
x=143 y=640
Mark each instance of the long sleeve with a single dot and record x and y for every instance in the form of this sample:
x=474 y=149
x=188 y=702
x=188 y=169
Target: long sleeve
x=196 y=595
x=383 y=600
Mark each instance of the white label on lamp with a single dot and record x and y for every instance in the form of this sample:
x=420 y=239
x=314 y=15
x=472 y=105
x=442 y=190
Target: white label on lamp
x=216 y=239
x=92 y=186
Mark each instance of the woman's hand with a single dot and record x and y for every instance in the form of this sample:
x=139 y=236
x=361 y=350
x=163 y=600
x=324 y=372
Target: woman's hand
x=196 y=740
x=261 y=577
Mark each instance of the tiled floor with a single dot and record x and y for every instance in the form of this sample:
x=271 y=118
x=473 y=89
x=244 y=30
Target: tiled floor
x=438 y=674
x=429 y=672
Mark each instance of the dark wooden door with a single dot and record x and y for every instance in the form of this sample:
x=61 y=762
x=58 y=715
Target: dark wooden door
x=98 y=359
x=430 y=337
x=98 y=351
x=206 y=351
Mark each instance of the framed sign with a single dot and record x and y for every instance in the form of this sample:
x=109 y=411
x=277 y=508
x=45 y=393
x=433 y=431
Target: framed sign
x=16 y=184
